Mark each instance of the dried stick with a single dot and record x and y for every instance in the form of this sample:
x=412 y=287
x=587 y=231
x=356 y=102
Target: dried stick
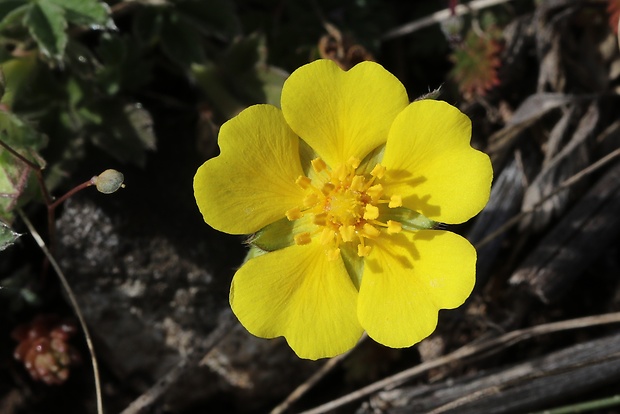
x=74 y=305
x=487 y=346
x=161 y=387
x=564 y=184
x=439 y=17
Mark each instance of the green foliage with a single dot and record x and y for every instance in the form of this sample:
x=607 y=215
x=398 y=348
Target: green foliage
x=15 y=175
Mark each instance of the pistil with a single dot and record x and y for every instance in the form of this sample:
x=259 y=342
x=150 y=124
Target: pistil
x=345 y=207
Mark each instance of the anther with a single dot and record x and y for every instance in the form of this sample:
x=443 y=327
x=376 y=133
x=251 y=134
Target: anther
x=318 y=165
x=303 y=181
x=310 y=200
x=375 y=192
x=332 y=254
x=395 y=201
x=378 y=171
x=363 y=251
x=394 y=227
x=357 y=183
x=371 y=212
x=303 y=238
x=328 y=188
x=293 y=214
x=347 y=233
x=320 y=219
x=327 y=236
x=370 y=231
x=354 y=162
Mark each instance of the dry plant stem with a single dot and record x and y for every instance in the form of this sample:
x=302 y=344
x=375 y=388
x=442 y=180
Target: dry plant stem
x=488 y=346
x=74 y=305
x=440 y=16
x=584 y=406
x=566 y=183
x=160 y=388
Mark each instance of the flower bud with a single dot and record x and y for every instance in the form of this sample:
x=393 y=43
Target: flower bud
x=109 y=181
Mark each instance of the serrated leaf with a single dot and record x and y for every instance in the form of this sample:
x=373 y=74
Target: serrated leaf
x=46 y=23
x=125 y=131
x=7 y=236
x=14 y=173
x=18 y=75
x=12 y=11
x=91 y=13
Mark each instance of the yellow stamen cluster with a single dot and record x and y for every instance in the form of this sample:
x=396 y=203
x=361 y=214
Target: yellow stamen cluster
x=345 y=207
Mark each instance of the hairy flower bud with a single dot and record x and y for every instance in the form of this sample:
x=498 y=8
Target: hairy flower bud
x=109 y=181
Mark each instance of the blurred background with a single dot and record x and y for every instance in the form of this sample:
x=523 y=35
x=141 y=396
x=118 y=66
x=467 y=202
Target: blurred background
x=142 y=86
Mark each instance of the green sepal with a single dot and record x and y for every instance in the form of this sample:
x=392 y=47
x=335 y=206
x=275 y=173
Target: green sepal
x=253 y=252
x=352 y=262
x=282 y=233
x=410 y=220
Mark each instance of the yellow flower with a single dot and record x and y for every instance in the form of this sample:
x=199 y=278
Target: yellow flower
x=342 y=187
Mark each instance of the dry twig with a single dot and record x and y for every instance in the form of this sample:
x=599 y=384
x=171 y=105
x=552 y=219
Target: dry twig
x=488 y=346
x=74 y=305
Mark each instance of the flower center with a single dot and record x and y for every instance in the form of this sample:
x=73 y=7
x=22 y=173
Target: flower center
x=345 y=208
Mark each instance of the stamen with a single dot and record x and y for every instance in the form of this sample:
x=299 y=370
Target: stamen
x=371 y=213
x=375 y=192
x=347 y=233
x=328 y=188
x=327 y=236
x=340 y=173
x=378 y=171
x=357 y=184
x=310 y=200
x=394 y=227
x=333 y=254
x=395 y=201
x=303 y=181
x=293 y=214
x=320 y=219
x=303 y=238
x=318 y=165
x=370 y=231
x=354 y=162
x=363 y=251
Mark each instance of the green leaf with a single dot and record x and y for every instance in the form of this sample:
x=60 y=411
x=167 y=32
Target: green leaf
x=46 y=23
x=12 y=11
x=7 y=236
x=18 y=75
x=91 y=13
x=2 y=83
x=15 y=175
x=125 y=131
x=209 y=80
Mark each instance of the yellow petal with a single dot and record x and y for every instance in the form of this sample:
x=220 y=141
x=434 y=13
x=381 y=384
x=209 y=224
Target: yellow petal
x=252 y=182
x=431 y=164
x=299 y=294
x=342 y=114
x=410 y=276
